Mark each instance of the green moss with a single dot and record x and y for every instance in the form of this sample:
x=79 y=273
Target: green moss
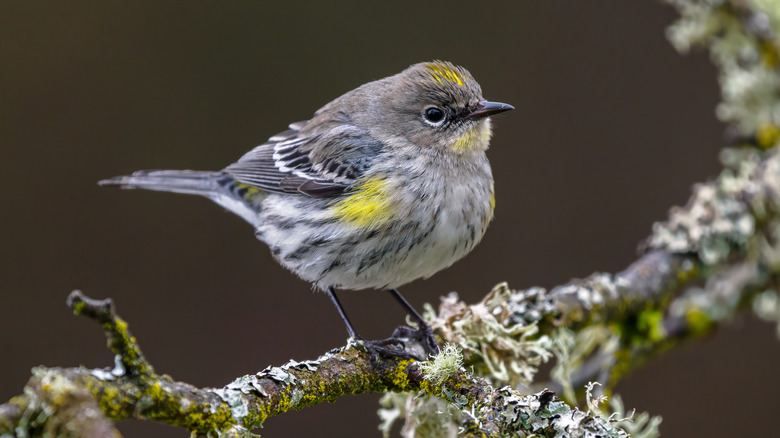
x=309 y=399
x=285 y=402
x=155 y=392
x=616 y=328
x=698 y=321
x=685 y=275
x=111 y=401
x=263 y=412
x=168 y=407
x=650 y=324
x=400 y=377
x=767 y=135
x=429 y=387
x=112 y=404
x=126 y=345
x=127 y=342
x=200 y=423
x=78 y=307
x=253 y=421
x=623 y=361
x=222 y=419
x=769 y=54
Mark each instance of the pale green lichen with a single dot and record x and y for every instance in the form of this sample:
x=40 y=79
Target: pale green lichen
x=571 y=349
x=744 y=48
x=743 y=43
x=711 y=225
x=696 y=27
x=55 y=405
x=501 y=338
x=424 y=416
x=234 y=398
x=536 y=413
x=444 y=364
x=502 y=412
x=249 y=384
x=728 y=215
x=594 y=291
x=593 y=402
x=636 y=424
x=767 y=307
x=499 y=346
x=720 y=297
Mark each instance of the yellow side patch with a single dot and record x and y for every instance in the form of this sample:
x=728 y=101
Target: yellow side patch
x=474 y=139
x=368 y=205
x=443 y=73
x=249 y=191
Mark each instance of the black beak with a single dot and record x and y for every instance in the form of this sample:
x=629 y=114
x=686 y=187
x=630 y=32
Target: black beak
x=485 y=109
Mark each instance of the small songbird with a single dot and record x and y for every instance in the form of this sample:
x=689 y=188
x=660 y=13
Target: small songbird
x=384 y=185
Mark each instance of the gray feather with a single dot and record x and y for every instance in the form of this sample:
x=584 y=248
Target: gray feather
x=317 y=158
x=217 y=186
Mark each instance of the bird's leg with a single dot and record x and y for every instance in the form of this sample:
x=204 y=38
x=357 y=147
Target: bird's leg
x=335 y=300
x=393 y=346
x=423 y=333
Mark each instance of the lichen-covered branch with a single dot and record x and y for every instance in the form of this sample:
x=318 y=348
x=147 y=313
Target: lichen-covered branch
x=79 y=402
x=658 y=301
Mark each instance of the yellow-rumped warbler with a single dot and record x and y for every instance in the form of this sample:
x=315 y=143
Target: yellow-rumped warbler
x=384 y=185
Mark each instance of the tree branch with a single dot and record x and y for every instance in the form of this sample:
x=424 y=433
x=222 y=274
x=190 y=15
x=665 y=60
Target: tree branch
x=63 y=397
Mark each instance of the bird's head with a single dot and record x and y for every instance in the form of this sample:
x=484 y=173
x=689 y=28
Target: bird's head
x=437 y=104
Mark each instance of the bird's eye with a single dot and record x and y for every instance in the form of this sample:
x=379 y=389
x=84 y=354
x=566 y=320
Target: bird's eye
x=434 y=115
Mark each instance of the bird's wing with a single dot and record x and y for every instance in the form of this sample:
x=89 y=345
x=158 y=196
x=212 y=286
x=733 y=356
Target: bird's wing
x=319 y=163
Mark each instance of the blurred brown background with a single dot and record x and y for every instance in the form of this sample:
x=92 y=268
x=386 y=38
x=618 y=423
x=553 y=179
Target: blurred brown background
x=611 y=129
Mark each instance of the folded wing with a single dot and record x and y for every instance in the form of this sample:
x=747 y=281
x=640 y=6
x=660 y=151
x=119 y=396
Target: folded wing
x=321 y=162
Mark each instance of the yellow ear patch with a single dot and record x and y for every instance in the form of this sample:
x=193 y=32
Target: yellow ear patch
x=476 y=138
x=443 y=73
x=368 y=205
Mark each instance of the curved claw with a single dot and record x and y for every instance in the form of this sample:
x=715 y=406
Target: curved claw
x=384 y=347
x=423 y=334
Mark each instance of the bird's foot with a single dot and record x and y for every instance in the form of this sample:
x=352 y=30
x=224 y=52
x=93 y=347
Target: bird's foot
x=423 y=334
x=391 y=347
x=398 y=344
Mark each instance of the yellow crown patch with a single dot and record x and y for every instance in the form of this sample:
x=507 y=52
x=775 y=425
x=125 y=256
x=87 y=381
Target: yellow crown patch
x=444 y=73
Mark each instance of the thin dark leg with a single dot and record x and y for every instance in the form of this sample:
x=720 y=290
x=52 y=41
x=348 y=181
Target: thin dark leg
x=334 y=299
x=400 y=298
x=377 y=347
x=423 y=332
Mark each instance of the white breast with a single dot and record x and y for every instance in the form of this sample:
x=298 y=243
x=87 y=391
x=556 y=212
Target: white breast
x=437 y=220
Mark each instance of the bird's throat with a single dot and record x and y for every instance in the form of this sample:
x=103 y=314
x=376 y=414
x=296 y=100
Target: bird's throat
x=475 y=138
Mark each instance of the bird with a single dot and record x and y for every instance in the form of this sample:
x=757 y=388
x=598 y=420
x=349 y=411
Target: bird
x=386 y=184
